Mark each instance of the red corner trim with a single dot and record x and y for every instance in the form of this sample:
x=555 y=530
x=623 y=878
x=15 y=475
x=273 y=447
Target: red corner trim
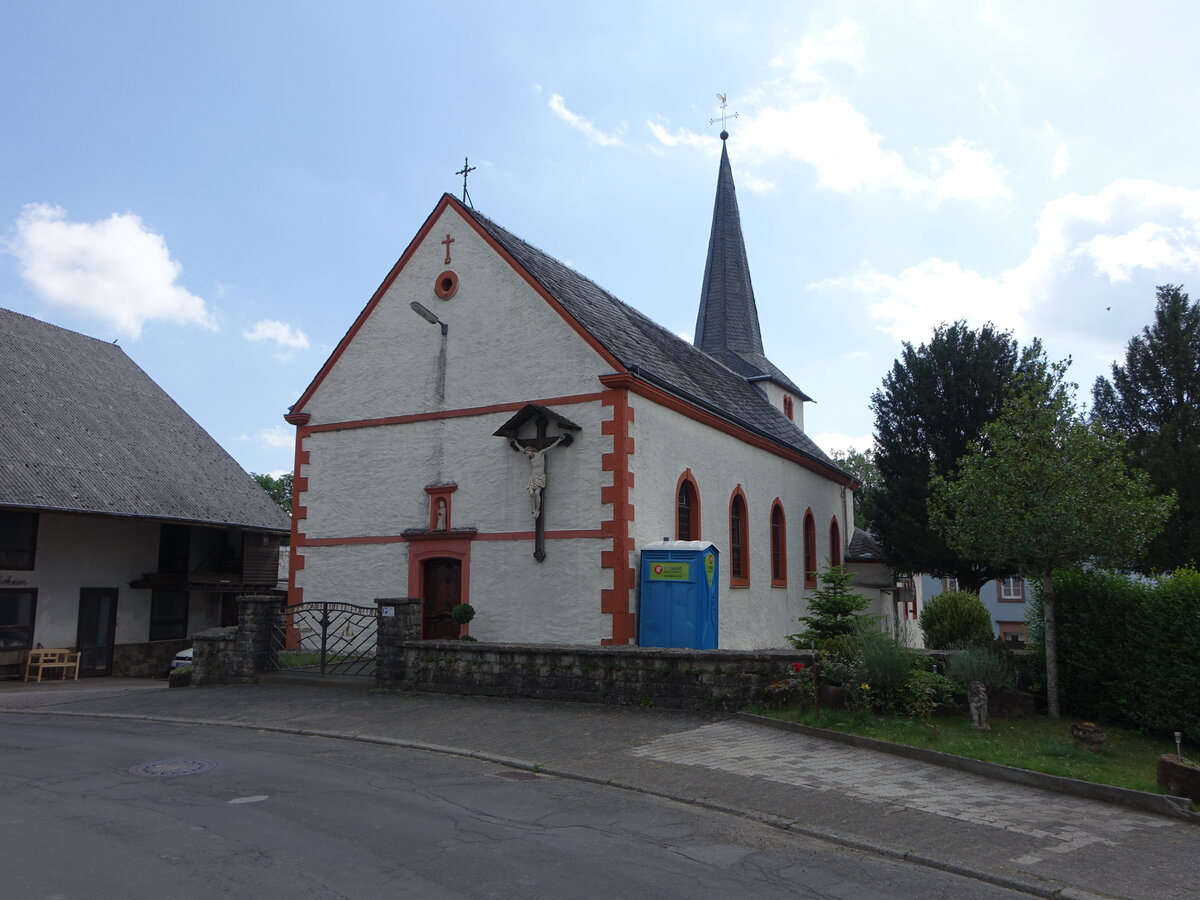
x=670 y=401
x=299 y=515
x=615 y=601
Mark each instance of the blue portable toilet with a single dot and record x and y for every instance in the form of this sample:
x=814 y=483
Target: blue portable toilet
x=679 y=595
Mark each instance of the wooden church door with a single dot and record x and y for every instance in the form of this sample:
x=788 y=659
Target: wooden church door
x=443 y=591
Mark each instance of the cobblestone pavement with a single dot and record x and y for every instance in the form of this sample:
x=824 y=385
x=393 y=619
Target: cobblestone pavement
x=1065 y=825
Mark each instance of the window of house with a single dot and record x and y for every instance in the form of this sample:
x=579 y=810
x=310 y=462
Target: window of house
x=168 y=615
x=949 y=584
x=778 y=545
x=17 y=609
x=1012 y=633
x=739 y=543
x=788 y=408
x=687 y=510
x=18 y=539
x=1012 y=589
x=810 y=550
x=835 y=543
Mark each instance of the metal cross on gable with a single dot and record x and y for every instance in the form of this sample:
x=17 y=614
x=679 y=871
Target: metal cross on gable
x=724 y=116
x=464 y=172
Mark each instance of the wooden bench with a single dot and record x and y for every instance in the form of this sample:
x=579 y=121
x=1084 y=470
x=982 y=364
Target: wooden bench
x=40 y=660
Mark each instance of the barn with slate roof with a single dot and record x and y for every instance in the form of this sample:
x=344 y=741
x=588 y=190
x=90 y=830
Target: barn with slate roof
x=497 y=429
x=124 y=527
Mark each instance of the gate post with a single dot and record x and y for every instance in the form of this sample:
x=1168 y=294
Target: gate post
x=399 y=620
x=256 y=625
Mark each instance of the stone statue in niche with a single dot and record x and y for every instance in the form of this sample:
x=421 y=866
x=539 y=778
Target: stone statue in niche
x=439 y=520
x=977 y=700
x=537 y=468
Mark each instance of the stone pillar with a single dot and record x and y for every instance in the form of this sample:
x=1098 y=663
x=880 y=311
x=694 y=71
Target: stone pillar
x=399 y=621
x=257 y=615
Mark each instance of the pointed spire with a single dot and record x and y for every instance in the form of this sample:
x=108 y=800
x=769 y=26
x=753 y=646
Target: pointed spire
x=728 y=319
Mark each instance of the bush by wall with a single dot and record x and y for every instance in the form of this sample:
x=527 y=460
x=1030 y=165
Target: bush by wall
x=954 y=619
x=1128 y=651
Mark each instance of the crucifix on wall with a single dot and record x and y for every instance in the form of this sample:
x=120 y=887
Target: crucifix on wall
x=536 y=449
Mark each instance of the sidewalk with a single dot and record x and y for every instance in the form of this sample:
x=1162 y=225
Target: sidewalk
x=1016 y=836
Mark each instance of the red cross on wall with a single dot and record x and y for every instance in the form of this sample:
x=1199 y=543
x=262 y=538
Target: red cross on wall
x=447 y=242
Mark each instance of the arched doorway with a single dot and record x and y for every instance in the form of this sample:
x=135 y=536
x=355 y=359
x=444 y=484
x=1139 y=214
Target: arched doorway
x=442 y=591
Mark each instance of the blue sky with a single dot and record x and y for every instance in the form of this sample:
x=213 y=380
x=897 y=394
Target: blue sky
x=221 y=186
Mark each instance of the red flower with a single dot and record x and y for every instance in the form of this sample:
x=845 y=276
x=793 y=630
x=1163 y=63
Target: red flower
x=797 y=667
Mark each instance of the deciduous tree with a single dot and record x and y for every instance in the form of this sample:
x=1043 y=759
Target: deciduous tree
x=279 y=488
x=1154 y=399
x=861 y=464
x=1046 y=490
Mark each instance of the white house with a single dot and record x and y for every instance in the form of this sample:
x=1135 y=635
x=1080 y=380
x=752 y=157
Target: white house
x=124 y=527
x=485 y=382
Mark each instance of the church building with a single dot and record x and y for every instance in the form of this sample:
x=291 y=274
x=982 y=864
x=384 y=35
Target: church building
x=443 y=453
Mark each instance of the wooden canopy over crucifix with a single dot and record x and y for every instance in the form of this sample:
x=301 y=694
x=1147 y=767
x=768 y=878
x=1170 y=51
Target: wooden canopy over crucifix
x=535 y=449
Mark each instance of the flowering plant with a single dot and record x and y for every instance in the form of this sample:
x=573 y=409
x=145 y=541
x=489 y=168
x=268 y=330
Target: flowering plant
x=794 y=689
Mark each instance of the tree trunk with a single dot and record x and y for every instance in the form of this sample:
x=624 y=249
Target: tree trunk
x=1051 y=638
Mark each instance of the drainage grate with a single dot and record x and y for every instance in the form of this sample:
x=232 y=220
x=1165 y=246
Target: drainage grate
x=518 y=775
x=170 y=768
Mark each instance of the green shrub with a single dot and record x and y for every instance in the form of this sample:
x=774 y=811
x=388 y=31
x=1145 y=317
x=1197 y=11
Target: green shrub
x=924 y=692
x=832 y=609
x=955 y=618
x=463 y=613
x=989 y=665
x=884 y=665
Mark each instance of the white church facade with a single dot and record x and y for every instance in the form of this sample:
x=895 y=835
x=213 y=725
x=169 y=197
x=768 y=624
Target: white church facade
x=496 y=429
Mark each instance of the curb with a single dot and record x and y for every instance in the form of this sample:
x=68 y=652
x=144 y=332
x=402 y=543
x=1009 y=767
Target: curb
x=1143 y=801
x=1028 y=884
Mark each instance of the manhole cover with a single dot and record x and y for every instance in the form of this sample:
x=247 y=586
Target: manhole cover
x=169 y=768
x=518 y=775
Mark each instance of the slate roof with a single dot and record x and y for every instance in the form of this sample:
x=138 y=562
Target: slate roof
x=652 y=352
x=865 y=547
x=83 y=429
x=727 y=325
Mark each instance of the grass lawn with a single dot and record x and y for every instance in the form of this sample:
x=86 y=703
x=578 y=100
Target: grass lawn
x=1128 y=759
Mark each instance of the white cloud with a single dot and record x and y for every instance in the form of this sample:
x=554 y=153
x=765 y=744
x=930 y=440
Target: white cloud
x=840 y=44
x=1062 y=160
x=582 y=125
x=1083 y=245
x=277 y=436
x=963 y=171
x=279 y=332
x=115 y=270
x=801 y=116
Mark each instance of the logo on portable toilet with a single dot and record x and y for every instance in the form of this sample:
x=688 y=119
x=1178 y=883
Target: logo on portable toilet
x=710 y=562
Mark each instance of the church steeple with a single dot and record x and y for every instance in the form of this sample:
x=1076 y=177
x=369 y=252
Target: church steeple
x=727 y=326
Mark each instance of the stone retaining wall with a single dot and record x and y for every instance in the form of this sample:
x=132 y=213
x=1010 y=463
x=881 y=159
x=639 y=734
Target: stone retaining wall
x=663 y=678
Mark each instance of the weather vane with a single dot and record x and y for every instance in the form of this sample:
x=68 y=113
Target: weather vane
x=724 y=116
x=464 y=172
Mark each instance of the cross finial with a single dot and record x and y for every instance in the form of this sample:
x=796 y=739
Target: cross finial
x=464 y=172
x=724 y=116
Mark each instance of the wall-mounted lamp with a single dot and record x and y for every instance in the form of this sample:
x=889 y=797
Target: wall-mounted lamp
x=427 y=315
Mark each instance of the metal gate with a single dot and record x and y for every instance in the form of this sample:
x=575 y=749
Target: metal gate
x=325 y=639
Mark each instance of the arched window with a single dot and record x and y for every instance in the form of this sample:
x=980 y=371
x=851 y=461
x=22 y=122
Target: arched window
x=835 y=543
x=810 y=549
x=778 y=545
x=739 y=540
x=687 y=508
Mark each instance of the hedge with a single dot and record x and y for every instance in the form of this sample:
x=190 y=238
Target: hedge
x=1128 y=650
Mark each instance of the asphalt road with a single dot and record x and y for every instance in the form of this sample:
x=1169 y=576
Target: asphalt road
x=232 y=813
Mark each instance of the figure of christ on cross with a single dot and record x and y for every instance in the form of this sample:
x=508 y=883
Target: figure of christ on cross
x=536 y=451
